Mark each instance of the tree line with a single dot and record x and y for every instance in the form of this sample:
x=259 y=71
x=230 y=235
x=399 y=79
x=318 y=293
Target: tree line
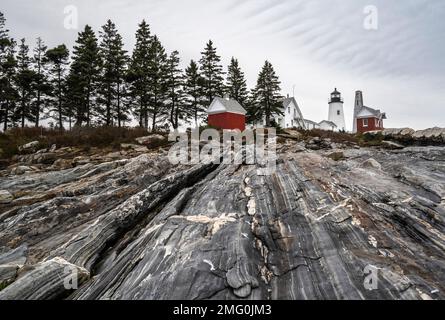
x=100 y=83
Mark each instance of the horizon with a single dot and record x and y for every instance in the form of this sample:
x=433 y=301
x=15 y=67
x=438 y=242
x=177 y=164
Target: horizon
x=398 y=67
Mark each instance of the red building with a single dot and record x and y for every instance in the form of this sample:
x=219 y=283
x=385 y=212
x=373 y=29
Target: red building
x=368 y=119
x=225 y=113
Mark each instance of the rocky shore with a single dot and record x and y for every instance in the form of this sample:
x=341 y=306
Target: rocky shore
x=130 y=225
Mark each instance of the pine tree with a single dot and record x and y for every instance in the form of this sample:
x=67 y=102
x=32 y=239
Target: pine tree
x=120 y=63
x=176 y=94
x=138 y=73
x=236 y=86
x=7 y=70
x=193 y=87
x=25 y=81
x=58 y=60
x=8 y=91
x=266 y=95
x=114 y=61
x=5 y=41
x=157 y=83
x=42 y=88
x=212 y=73
x=84 y=73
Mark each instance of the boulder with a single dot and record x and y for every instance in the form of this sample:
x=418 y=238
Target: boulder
x=80 y=160
x=134 y=147
x=398 y=131
x=47 y=158
x=29 y=146
x=391 y=145
x=5 y=197
x=371 y=163
x=435 y=132
x=21 y=170
x=62 y=164
x=150 y=140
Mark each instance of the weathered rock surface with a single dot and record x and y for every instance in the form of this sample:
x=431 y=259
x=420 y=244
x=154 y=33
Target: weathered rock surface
x=150 y=140
x=141 y=228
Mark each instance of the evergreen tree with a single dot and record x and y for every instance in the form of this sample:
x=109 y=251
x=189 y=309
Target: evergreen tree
x=42 y=88
x=211 y=71
x=25 y=82
x=266 y=98
x=157 y=83
x=114 y=61
x=8 y=91
x=120 y=63
x=138 y=73
x=193 y=87
x=7 y=64
x=5 y=41
x=84 y=73
x=58 y=60
x=176 y=94
x=236 y=86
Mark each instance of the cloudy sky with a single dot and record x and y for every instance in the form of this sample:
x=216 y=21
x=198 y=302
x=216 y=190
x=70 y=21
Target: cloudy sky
x=314 y=45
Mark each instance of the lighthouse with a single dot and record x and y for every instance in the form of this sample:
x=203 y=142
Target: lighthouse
x=358 y=105
x=336 y=114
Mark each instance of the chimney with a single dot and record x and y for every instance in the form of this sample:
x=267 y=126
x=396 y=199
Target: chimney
x=226 y=96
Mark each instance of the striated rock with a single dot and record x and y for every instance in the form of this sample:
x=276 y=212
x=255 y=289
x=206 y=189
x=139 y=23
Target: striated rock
x=80 y=160
x=61 y=164
x=29 y=146
x=398 y=132
x=391 y=145
x=371 y=163
x=47 y=280
x=142 y=228
x=430 y=133
x=150 y=140
x=6 y=196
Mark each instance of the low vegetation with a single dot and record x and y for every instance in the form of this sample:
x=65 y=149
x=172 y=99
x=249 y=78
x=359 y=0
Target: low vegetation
x=79 y=137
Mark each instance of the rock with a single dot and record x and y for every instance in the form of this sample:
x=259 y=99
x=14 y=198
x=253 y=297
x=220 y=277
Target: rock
x=430 y=133
x=143 y=228
x=29 y=146
x=336 y=156
x=80 y=160
x=135 y=147
x=48 y=280
x=292 y=133
x=5 y=197
x=392 y=145
x=21 y=170
x=53 y=148
x=371 y=163
x=151 y=140
x=398 y=132
x=61 y=164
x=47 y=158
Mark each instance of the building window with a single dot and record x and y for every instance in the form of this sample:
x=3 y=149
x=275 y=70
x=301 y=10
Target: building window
x=377 y=123
x=292 y=123
x=338 y=112
x=288 y=110
x=365 y=122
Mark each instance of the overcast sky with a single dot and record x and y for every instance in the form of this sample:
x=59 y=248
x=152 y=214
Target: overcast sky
x=314 y=45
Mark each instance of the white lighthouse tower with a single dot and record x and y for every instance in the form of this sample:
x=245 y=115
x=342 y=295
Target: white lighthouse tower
x=336 y=114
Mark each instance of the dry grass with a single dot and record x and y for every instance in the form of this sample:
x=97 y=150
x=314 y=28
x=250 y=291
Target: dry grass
x=78 y=137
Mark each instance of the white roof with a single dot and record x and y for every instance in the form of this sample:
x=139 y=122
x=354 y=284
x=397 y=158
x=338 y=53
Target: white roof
x=221 y=105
